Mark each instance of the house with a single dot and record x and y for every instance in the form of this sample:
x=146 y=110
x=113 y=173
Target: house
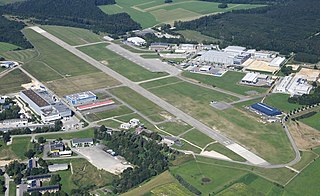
x=58 y=167
x=32 y=163
x=134 y=122
x=81 y=142
x=125 y=126
x=56 y=146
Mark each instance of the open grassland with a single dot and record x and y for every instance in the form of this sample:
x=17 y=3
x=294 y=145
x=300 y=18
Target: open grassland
x=280 y=101
x=110 y=123
x=55 y=60
x=81 y=83
x=196 y=36
x=194 y=173
x=307 y=157
x=20 y=145
x=84 y=175
x=11 y=82
x=175 y=127
x=120 y=110
x=140 y=103
x=73 y=36
x=20 y=55
x=119 y=64
x=88 y=133
x=134 y=49
x=313 y=121
x=150 y=13
x=236 y=123
x=160 y=82
x=163 y=184
x=229 y=81
x=4 y=47
x=198 y=138
x=188 y=147
x=6 y=152
x=225 y=151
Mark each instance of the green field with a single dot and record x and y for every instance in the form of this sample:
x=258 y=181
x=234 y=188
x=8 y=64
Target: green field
x=229 y=81
x=160 y=82
x=4 y=47
x=20 y=55
x=73 y=36
x=20 y=145
x=135 y=50
x=120 y=110
x=150 y=56
x=11 y=82
x=151 y=13
x=88 y=133
x=110 y=123
x=12 y=188
x=280 y=101
x=140 y=103
x=120 y=64
x=306 y=158
x=313 y=121
x=163 y=184
x=198 y=138
x=175 y=127
x=53 y=60
x=236 y=123
x=225 y=151
x=196 y=36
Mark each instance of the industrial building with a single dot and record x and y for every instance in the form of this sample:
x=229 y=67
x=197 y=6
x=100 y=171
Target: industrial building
x=159 y=46
x=264 y=109
x=137 y=41
x=45 y=105
x=81 y=142
x=234 y=50
x=222 y=57
x=295 y=86
x=250 y=78
x=95 y=105
x=277 y=62
x=257 y=79
x=81 y=98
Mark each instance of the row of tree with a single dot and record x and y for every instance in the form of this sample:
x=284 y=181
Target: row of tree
x=286 y=27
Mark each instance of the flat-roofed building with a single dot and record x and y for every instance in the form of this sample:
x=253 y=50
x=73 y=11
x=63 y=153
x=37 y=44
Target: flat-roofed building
x=159 y=46
x=34 y=101
x=137 y=41
x=265 y=109
x=81 y=98
x=293 y=86
x=44 y=189
x=235 y=50
x=251 y=78
x=277 y=62
x=220 y=57
x=58 y=167
x=81 y=142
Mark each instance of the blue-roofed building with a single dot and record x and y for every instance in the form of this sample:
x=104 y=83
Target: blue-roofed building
x=44 y=189
x=265 y=109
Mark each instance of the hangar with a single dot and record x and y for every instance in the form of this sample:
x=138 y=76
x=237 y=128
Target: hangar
x=264 y=109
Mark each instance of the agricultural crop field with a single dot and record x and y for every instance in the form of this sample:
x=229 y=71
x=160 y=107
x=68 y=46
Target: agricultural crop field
x=229 y=81
x=73 y=36
x=151 y=13
x=7 y=47
x=236 y=123
x=12 y=81
x=119 y=64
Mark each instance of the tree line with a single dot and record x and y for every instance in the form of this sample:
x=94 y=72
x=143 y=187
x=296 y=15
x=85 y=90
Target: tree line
x=285 y=27
x=307 y=99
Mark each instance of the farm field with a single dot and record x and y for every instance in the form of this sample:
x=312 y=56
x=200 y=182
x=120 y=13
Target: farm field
x=280 y=101
x=313 y=121
x=228 y=82
x=4 y=47
x=159 y=185
x=140 y=103
x=11 y=82
x=225 y=151
x=196 y=36
x=88 y=133
x=119 y=64
x=198 y=138
x=151 y=13
x=233 y=122
x=73 y=36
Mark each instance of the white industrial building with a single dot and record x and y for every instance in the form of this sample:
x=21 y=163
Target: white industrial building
x=220 y=57
x=250 y=78
x=137 y=41
x=58 y=167
x=293 y=86
x=277 y=62
x=234 y=50
x=81 y=142
x=45 y=105
x=81 y=98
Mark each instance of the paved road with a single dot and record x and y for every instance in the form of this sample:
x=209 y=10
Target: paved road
x=251 y=157
x=7 y=184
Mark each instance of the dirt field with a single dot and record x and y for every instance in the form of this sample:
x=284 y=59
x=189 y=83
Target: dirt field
x=305 y=137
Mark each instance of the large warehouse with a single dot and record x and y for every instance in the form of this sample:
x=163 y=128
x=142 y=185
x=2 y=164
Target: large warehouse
x=45 y=105
x=81 y=98
x=264 y=109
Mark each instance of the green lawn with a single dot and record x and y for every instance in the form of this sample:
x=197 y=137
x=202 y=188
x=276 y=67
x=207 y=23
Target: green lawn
x=150 y=13
x=160 y=82
x=175 y=127
x=225 y=151
x=135 y=50
x=4 y=47
x=196 y=36
x=20 y=55
x=88 y=133
x=313 y=121
x=12 y=188
x=120 y=110
x=73 y=36
x=20 y=145
x=11 y=82
x=110 y=123
x=150 y=56
x=198 y=138
x=229 y=81
x=120 y=64
x=188 y=147
x=139 y=103
x=280 y=101
x=306 y=158
x=56 y=62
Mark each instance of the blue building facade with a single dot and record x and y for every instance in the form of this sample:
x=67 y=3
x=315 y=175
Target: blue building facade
x=265 y=109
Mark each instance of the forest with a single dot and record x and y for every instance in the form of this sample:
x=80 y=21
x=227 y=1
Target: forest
x=287 y=27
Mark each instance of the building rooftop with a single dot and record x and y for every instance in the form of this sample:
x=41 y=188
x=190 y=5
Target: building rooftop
x=265 y=109
x=39 y=177
x=250 y=77
x=37 y=99
x=82 y=95
x=44 y=188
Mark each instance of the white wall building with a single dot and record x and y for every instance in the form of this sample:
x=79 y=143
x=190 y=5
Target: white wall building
x=277 y=62
x=293 y=86
x=250 y=78
x=137 y=41
x=125 y=126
